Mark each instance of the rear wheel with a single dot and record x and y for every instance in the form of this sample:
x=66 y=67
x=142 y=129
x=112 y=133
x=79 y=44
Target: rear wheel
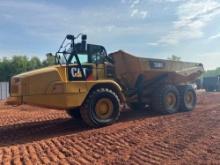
x=166 y=99
x=101 y=108
x=187 y=98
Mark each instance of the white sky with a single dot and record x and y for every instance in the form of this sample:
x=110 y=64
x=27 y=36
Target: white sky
x=149 y=28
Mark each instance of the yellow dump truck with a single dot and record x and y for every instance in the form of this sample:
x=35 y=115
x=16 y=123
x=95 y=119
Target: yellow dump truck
x=92 y=85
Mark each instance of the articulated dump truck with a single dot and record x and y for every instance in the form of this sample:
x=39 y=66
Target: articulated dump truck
x=92 y=86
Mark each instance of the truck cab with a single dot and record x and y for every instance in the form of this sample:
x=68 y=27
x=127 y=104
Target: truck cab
x=92 y=63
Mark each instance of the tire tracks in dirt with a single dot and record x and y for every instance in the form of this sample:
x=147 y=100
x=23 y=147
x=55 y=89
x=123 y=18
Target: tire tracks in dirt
x=50 y=137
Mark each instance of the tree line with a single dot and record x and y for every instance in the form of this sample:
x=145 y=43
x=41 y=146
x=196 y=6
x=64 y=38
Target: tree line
x=18 y=64
x=215 y=72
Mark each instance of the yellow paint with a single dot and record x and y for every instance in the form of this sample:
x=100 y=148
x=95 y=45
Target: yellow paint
x=50 y=87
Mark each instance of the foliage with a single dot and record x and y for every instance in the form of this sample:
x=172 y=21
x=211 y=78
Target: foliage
x=174 y=58
x=19 y=64
x=49 y=61
x=210 y=73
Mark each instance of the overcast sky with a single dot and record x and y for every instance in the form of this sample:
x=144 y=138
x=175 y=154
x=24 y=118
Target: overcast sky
x=149 y=28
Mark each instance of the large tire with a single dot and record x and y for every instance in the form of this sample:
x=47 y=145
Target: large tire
x=166 y=99
x=74 y=113
x=101 y=108
x=188 y=98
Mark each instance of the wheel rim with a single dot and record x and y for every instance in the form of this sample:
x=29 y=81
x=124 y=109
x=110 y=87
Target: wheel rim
x=170 y=100
x=104 y=108
x=189 y=99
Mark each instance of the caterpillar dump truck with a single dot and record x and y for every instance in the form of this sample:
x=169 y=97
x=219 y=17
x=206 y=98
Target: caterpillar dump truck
x=92 y=85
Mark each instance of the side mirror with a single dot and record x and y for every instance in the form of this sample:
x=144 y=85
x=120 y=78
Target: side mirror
x=49 y=55
x=70 y=37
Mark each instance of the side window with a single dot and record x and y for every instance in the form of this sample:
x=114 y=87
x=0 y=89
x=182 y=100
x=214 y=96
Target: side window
x=97 y=54
x=98 y=57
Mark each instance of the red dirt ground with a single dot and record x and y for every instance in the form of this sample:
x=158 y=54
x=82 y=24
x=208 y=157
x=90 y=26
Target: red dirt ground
x=33 y=135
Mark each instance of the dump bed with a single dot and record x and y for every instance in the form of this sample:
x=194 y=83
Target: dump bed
x=129 y=67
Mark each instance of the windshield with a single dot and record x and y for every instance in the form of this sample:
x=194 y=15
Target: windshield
x=83 y=58
x=95 y=54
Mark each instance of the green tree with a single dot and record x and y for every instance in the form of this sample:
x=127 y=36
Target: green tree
x=5 y=69
x=35 y=63
x=17 y=64
x=50 y=60
x=214 y=72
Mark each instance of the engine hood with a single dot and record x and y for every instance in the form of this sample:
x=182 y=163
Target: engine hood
x=36 y=72
x=36 y=81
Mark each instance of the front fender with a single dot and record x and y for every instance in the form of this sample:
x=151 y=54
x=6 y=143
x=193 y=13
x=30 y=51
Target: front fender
x=92 y=85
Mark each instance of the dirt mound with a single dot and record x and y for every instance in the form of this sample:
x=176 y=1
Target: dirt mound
x=33 y=135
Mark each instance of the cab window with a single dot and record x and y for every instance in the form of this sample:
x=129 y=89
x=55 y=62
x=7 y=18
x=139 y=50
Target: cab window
x=97 y=54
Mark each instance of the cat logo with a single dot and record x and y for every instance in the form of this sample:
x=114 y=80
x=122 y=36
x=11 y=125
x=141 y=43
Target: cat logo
x=75 y=72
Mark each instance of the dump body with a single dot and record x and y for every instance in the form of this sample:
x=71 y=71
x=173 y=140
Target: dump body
x=128 y=68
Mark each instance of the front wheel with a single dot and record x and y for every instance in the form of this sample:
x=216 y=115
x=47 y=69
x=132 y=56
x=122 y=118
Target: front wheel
x=101 y=108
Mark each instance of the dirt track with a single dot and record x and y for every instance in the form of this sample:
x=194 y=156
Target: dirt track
x=31 y=135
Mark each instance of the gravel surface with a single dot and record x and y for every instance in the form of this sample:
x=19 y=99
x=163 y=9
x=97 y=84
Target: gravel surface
x=34 y=135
